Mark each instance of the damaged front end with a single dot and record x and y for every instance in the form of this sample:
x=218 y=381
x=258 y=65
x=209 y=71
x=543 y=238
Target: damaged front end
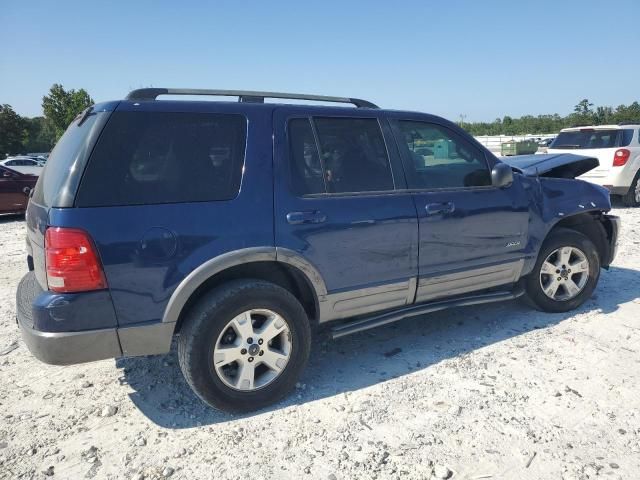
x=565 y=201
x=558 y=165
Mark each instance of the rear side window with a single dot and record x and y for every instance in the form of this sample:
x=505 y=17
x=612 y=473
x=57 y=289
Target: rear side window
x=349 y=157
x=305 y=166
x=593 y=138
x=146 y=158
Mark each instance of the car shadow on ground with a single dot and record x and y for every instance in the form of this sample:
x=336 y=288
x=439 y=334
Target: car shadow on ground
x=370 y=357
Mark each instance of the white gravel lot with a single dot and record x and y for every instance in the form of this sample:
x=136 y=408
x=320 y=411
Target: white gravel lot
x=496 y=391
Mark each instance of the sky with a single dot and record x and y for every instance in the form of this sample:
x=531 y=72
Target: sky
x=477 y=59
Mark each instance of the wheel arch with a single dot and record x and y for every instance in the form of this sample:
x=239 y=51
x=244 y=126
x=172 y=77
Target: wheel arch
x=592 y=225
x=283 y=267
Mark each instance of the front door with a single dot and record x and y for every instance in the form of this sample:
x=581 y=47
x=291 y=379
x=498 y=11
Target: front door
x=473 y=236
x=337 y=206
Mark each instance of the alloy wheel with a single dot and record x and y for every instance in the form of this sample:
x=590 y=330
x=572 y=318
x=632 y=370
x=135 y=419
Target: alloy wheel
x=252 y=350
x=564 y=273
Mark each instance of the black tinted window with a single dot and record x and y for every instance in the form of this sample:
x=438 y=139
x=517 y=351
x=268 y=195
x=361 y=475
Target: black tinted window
x=56 y=184
x=156 y=157
x=436 y=157
x=353 y=154
x=305 y=167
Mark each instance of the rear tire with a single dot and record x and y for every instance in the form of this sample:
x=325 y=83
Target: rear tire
x=632 y=197
x=566 y=272
x=233 y=364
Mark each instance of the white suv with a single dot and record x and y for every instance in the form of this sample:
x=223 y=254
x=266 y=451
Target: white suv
x=617 y=148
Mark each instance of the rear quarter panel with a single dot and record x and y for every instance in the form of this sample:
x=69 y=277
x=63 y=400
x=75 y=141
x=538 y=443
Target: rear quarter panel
x=147 y=250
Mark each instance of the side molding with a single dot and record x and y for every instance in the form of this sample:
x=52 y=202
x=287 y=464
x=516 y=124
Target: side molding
x=294 y=259
x=216 y=265
x=208 y=269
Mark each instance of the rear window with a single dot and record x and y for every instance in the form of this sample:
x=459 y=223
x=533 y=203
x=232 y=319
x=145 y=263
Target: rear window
x=146 y=158
x=593 y=138
x=57 y=184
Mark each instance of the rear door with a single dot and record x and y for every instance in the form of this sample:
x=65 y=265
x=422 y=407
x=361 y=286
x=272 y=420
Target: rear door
x=339 y=205
x=473 y=236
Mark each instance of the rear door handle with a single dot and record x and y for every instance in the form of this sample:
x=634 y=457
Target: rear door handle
x=297 y=218
x=440 y=208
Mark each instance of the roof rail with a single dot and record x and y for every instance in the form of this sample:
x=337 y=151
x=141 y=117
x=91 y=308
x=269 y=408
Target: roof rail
x=243 y=95
x=629 y=123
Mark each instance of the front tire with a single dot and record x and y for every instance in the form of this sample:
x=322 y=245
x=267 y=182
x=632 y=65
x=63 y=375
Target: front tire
x=244 y=345
x=566 y=272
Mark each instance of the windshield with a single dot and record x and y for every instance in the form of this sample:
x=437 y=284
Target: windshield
x=593 y=138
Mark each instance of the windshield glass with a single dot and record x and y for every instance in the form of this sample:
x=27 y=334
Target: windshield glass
x=593 y=138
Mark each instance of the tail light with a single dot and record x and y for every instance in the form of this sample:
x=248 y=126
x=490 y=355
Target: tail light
x=620 y=157
x=72 y=261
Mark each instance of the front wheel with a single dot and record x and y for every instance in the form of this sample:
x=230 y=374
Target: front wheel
x=244 y=345
x=566 y=272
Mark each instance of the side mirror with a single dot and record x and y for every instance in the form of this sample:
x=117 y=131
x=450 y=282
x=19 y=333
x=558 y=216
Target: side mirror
x=27 y=191
x=501 y=175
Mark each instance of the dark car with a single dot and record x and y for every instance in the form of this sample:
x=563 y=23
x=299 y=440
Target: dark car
x=241 y=226
x=15 y=188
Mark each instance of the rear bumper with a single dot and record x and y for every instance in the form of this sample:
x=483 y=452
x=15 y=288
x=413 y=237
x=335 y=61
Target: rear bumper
x=66 y=348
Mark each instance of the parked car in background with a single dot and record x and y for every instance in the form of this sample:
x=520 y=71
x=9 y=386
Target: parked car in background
x=546 y=142
x=617 y=148
x=23 y=164
x=239 y=227
x=15 y=188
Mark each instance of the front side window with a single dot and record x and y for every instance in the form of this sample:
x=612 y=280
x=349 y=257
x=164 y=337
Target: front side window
x=349 y=157
x=436 y=157
x=161 y=157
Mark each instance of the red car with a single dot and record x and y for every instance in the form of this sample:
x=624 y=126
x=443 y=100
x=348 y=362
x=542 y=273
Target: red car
x=15 y=188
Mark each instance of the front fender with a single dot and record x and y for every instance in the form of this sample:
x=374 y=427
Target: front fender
x=557 y=200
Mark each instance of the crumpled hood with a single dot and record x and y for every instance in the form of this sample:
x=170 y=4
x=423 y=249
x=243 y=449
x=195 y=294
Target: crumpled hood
x=556 y=165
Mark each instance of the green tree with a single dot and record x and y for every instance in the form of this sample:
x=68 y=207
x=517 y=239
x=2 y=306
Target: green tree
x=583 y=107
x=39 y=135
x=61 y=107
x=12 y=127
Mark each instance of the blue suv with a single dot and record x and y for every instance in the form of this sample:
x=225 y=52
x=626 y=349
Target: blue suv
x=239 y=227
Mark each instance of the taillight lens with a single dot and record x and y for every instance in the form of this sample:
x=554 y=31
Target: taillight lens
x=72 y=261
x=620 y=157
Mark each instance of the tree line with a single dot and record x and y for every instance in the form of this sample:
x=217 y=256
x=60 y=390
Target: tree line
x=583 y=113
x=19 y=135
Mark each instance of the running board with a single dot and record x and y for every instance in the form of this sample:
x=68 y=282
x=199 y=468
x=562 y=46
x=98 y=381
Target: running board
x=413 y=310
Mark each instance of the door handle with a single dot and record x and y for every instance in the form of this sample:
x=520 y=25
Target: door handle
x=297 y=218
x=440 y=208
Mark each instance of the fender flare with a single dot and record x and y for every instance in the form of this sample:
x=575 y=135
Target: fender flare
x=197 y=277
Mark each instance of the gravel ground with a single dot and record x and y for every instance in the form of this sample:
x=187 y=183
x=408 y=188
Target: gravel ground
x=495 y=391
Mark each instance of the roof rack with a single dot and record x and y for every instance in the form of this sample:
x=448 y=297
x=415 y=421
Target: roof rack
x=243 y=95
x=629 y=123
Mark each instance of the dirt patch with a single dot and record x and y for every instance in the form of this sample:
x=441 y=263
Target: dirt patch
x=495 y=391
